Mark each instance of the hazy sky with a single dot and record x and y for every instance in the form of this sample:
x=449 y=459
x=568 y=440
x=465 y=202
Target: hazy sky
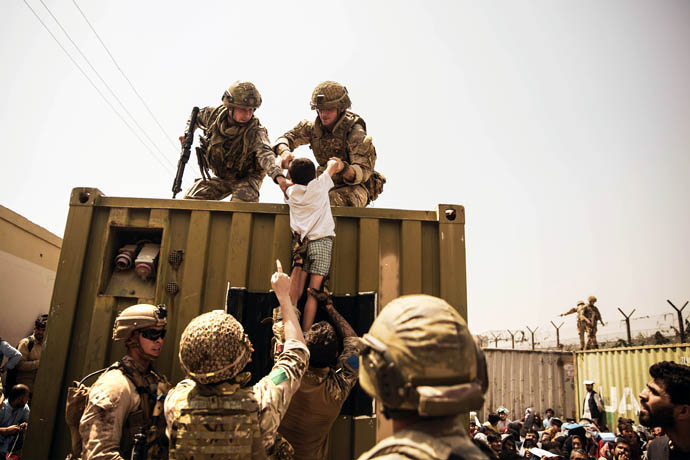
x=563 y=127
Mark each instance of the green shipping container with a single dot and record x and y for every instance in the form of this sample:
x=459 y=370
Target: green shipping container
x=620 y=374
x=203 y=255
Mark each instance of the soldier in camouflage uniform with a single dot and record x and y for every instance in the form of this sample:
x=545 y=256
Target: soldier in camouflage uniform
x=339 y=133
x=325 y=386
x=583 y=320
x=594 y=317
x=235 y=147
x=211 y=413
x=423 y=366
x=124 y=399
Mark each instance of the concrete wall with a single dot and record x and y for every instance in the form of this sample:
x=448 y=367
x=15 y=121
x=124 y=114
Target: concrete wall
x=28 y=262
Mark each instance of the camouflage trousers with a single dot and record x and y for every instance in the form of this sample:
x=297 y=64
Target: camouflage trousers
x=592 y=338
x=581 y=328
x=349 y=195
x=245 y=189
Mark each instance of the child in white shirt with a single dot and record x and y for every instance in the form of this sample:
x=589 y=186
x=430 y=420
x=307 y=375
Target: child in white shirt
x=311 y=219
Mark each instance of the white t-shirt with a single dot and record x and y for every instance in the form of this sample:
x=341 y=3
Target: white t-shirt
x=310 y=208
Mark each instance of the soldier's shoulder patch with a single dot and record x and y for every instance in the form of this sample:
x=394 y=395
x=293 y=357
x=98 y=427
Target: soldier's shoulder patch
x=277 y=376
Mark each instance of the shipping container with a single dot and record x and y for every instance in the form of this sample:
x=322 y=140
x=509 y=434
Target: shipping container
x=519 y=379
x=620 y=374
x=28 y=262
x=205 y=255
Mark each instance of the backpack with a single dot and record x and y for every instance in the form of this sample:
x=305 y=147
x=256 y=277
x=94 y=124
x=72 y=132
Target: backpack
x=75 y=403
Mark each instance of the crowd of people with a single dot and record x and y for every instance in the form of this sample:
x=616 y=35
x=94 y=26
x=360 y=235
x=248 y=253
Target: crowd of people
x=18 y=370
x=663 y=432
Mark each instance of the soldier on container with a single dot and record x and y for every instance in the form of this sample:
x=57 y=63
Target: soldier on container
x=594 y=317
x=211 y=413
x=324 y=388
x=123 y=400
x=583 y=320
x=235 y=147
x=423 y=366
x=339 y=133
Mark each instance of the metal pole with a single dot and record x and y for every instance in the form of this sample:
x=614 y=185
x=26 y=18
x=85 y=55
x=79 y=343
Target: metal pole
x=627 y=324
x=558 y=334
x=512 y=337
x=681 y=326
x=532 y=332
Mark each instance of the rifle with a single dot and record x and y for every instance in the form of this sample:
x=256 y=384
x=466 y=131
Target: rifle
x=186 y=150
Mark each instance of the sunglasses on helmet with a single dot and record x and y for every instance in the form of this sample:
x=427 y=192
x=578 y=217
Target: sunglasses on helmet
x=153 y=334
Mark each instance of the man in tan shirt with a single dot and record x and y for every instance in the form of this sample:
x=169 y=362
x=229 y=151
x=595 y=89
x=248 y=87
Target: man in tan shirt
x=31 y=347
x=325 y=387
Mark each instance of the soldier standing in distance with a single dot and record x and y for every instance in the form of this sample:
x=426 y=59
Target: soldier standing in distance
x=337 y=132
x=123 y=399
x=423 y=366
x=211 y=414
x=583 y=320
x=235 y=147
x=594 y=317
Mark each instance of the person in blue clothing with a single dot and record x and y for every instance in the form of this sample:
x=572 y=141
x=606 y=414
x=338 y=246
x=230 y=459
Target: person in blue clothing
x=14 y=417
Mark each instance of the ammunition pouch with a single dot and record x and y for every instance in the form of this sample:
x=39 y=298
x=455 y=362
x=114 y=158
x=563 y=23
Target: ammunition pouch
x=374 y=185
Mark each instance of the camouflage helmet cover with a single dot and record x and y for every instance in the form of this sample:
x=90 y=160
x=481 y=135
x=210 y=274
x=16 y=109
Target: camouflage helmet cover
x=214 y=347
x=442 y=370
x=242 y=94
x=137 y=317
x=330 y=95
x=591 y=299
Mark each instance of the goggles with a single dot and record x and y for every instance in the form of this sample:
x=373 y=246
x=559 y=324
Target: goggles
x=153 y=334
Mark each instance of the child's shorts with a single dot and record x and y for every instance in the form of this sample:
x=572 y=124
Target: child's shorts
x=318 y=259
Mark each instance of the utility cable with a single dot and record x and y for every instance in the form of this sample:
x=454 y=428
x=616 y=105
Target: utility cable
x=96 y=88
x=131 y=85
x=112 y=93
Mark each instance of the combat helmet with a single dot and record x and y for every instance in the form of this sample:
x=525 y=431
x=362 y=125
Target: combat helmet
x=214 y=347
x=591 y=299
x=242 y=94
x=136 y=317
x=420 y=357
x=580 y=302
x=330 y=95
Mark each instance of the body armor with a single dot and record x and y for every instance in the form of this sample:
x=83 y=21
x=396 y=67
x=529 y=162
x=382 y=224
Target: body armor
x=226 y=147
x=333 y=143
x=220 y=421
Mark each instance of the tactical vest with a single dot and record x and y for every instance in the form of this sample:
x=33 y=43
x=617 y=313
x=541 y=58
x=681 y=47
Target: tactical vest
x=333 y=143
x=219 y=421
x=143 y=417
x=227 y=146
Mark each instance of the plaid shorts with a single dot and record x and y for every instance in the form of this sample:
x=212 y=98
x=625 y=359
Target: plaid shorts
x=318 y=259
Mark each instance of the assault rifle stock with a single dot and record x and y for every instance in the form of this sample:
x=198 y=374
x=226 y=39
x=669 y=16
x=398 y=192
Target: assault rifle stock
x=186 y=150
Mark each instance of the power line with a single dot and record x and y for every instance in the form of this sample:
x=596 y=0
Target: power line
x=105 y=83
x=95 y=87
x=131 y=85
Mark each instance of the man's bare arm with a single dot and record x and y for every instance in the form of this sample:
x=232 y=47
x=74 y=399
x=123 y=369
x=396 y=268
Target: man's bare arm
x=341 y=323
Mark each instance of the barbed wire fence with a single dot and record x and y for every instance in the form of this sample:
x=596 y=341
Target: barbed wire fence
x=659 y=329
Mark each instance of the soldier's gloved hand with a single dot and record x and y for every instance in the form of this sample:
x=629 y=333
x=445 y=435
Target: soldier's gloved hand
x=181 y=141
